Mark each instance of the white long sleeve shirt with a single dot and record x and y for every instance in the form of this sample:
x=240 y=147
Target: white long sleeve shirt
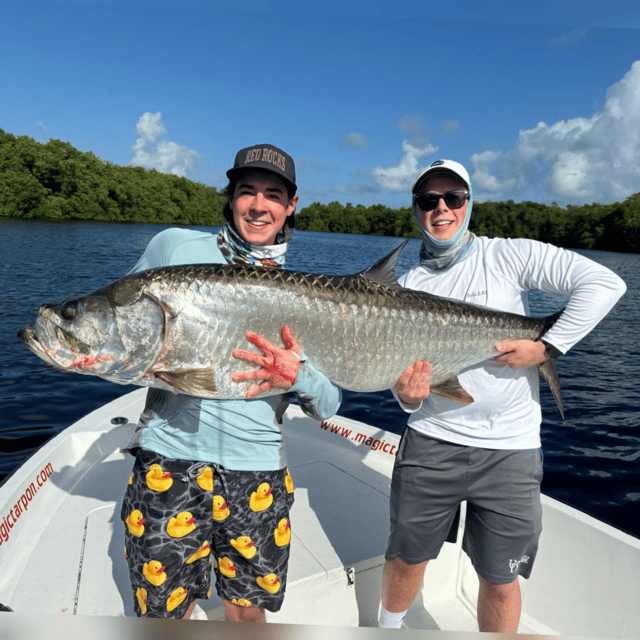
x=499 y=274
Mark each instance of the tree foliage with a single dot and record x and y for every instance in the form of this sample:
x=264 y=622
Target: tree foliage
x=612 y=227
x=56 y=181
x=374 y=220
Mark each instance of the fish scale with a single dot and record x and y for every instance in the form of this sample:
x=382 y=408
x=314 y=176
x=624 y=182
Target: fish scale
x=360 y=330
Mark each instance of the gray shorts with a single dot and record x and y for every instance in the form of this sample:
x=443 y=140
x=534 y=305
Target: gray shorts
x=502 y=489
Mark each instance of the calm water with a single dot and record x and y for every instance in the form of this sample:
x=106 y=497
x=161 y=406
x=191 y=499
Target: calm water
x=592 y=458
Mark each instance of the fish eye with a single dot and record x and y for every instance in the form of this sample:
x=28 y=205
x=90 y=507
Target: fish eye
x=70 y=310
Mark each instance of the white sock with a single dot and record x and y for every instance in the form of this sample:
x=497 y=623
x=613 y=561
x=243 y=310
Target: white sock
x=390 y=620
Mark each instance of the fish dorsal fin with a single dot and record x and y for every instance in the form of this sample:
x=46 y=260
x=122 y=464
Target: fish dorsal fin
x=384 y=271
x=453 y=390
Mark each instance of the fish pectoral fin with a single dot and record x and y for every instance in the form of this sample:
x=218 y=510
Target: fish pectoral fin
x=194 y=382
x=453 y=390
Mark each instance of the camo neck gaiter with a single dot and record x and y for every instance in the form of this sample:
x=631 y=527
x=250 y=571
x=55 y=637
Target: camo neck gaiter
x=441 y=259
x=236 y=250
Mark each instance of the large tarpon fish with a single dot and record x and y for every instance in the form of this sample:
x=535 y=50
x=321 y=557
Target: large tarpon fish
x=175 y=328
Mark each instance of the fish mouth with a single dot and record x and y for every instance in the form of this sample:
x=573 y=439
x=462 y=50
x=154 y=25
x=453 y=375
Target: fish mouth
x=28 y=335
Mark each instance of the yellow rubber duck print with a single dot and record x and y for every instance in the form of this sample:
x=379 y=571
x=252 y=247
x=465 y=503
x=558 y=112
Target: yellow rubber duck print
x=141 y=596
x=261 y=498
x=181 y=525
x=283 y=533
x=205 y=479
x=245 y=546
x=270 y=583
x=202 y=552
x=154 y=572
x=158 y=479
x=227 y=568
x=135 y=523
x=288 y=482
x=220 y=509
x=241 y=602
x=176 y=598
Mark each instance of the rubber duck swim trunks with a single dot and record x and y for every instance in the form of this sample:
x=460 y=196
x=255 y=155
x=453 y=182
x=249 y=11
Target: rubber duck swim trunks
x=181 y=518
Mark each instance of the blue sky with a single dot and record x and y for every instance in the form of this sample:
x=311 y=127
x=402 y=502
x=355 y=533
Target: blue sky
x=539 y=100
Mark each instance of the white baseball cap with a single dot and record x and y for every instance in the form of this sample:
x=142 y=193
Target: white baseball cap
x=442 y=166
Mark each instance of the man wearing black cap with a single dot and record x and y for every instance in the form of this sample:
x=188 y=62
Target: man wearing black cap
x=486 y=453
x=188 y=506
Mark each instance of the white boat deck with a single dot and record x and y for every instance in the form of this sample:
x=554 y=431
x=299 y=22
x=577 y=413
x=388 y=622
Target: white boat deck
x=64 y=544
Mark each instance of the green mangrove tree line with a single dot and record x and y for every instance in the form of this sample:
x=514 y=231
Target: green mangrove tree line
x=612 y=227
x=55 y=181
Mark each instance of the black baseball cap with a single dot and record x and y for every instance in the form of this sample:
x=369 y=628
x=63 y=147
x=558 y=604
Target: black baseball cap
x=268 y=158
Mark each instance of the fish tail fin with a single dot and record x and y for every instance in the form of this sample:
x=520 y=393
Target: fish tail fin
x=549 y=372
x=548 y=368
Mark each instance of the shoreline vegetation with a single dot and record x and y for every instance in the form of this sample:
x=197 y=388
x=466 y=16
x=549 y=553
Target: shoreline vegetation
x=55 y=181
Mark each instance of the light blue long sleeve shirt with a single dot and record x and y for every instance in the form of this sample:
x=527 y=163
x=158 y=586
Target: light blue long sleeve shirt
x=236 y=434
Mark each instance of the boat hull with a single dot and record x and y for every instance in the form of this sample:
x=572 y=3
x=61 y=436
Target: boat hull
x=60 y=513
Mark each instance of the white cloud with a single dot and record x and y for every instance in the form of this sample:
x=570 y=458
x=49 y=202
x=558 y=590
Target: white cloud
x=569 y=175
x=43 y=129
x=403 y=175
x=149 y=127
x=481 y=177
x=412 y=124
x=450 y=126
x=574 y=161
x=311 y=164
x=164 y=156
x=355 y=140
x=571 y=38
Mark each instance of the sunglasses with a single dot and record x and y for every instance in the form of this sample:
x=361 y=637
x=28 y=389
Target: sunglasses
x=453 y=199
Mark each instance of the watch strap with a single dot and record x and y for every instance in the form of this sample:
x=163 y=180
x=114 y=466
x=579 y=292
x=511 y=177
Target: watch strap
x=553 y=352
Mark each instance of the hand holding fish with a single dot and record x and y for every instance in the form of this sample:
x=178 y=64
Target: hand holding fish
x=521 y=354
x=278 y=366
x=413 y=385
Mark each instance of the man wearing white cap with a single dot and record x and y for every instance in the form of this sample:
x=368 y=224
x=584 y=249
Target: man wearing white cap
x=487 y=452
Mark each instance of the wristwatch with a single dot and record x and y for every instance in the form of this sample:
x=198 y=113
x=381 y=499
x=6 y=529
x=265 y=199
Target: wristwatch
x=553 y=352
